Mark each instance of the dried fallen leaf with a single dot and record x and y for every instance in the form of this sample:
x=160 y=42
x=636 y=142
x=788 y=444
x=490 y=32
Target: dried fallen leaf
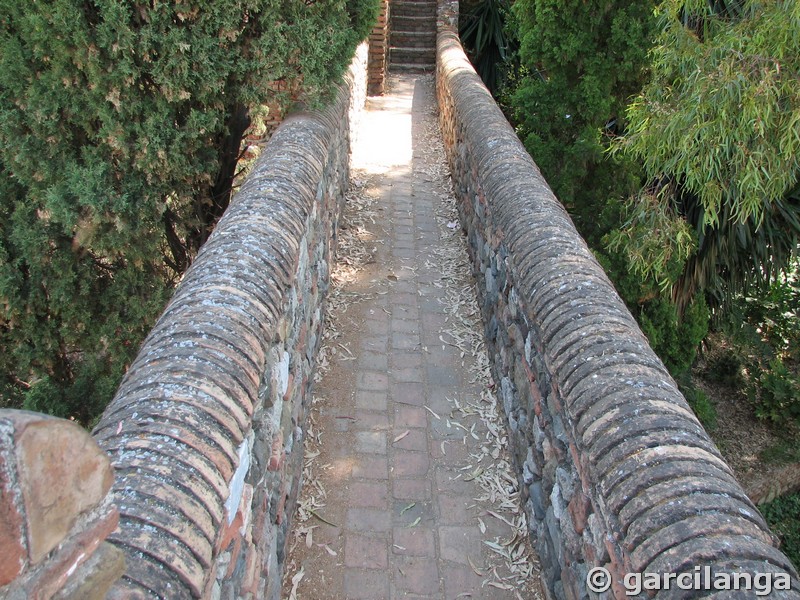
x=310 y=536
x=430 y=411
x=321 y=518
x=401 y=436
x=476 y=473
x=477 y=571
x=501 y=586
x=296 y=579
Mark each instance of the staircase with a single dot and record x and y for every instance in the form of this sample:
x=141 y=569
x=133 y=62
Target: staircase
x=412 y=36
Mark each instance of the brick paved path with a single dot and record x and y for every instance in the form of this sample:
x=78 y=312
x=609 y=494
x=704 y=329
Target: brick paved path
x=394 y=475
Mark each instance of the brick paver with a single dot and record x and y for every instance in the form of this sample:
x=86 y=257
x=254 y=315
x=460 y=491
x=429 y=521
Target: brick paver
x=410 y=524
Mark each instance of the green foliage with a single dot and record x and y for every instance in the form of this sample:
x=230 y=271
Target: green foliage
x=699 y=402
x=581 y=61
x=120 y=131
x=733 y=258
x=764 y=335
x=721 y=113
x=784 y=451
x=580 y=64
x=718 y=127
x=673 y=335
x=674 y=338
x=726 y=368
x=656 y=245
x=776 y=314
x=783 y=516
x=482 y=30
x=776 y=392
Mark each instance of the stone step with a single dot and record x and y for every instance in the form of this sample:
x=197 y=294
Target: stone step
x=425 y=8
x=412 y=56
x=412 y=23
x=413 y=39
x=411 y=69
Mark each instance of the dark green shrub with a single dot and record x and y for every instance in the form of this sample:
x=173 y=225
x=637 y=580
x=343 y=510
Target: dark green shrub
x=725 y=368
x=580 y=61
x=579 y=64
x=121 y=126
x=674 y=337
x=776 y=392
x=776 y=314
x=783 y=516
x=699 y=402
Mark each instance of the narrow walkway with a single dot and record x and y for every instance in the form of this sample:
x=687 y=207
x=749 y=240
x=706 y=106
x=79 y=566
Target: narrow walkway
x=407 y=491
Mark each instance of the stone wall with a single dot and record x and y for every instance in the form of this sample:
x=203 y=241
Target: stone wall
x=777 y=482
x=55 y=512
x=615 y=469
x=206 y=430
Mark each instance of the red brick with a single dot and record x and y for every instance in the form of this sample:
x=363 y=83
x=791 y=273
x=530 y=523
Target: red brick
x=362 y=552
x=92 y=579
x=369 y=380
x=416 y=541
x=367 y=520
x=406 y=360
x=276 y=455
x=410 y=416
x=455 y=509
x=367 y=494
x=371 y=467
x=455 y=543
x=579 y=509
x=75 y=551
x=290 y=383
x=417 y=575
x=415 y=439
x=371 y=400
x=119 y=592
x=409 y=393
x=410 y=464
x=251 y=578
x=462 y=580
x=411 y=489
x=371 y=420
x=366 y=585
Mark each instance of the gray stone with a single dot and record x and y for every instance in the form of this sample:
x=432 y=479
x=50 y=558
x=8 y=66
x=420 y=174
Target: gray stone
x=538 y=500
x=566 y=483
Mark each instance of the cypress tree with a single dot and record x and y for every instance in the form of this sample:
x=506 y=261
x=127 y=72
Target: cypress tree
x=121 y=124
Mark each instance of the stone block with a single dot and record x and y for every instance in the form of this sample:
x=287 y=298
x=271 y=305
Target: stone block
x=61 y=473
x=93 y=579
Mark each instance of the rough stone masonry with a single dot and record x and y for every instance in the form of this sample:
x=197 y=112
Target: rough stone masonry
x=617 y=471
x=205 y=432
